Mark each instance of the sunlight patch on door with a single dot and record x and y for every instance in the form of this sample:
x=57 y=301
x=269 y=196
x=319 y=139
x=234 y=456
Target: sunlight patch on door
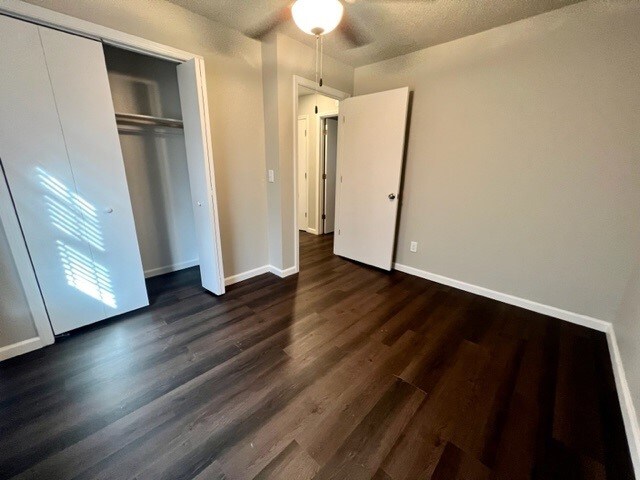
x=86 y=275
x=78 y=220
x=70 y=213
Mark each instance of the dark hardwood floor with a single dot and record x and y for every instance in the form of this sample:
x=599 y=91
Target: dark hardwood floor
x=341 y=372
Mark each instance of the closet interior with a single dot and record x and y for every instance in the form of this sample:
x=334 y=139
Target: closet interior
x=107 y=176
x=147 y=107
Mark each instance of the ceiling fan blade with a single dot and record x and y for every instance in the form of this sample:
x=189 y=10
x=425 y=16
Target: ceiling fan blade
x=283 y=16
x=351 y=33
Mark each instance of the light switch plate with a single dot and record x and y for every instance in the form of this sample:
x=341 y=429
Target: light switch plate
x=272 y=176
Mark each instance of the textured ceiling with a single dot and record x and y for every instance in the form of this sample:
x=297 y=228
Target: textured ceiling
x=395 y=27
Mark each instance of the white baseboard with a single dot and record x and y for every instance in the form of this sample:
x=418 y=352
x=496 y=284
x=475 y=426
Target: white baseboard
x=239 y=277
x=283 y=273
x=154 y=272
x=567 y=315
x=312 y=231
x=19 y=348
x=624 y=395
x=629 y=415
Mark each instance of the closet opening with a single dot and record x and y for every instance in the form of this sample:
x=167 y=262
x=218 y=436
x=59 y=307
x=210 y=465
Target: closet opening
x=148 y=111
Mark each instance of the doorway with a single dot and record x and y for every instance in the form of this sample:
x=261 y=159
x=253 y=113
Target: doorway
x=309 y=193
x=368 y=170
x=315 y=162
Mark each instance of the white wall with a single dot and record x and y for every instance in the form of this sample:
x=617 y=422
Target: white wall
x=306 y=106
x=283 y=58
x=16 y=322
x=155 y=160
x=523 y=164
x=234 y=86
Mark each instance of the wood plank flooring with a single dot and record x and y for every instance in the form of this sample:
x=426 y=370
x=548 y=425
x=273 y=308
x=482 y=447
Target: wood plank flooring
x=340 y=372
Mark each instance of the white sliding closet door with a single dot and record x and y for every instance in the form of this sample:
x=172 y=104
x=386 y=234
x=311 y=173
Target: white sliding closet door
x=193 y=100
x=33 y=155
x=61 y=154
x=80 y=84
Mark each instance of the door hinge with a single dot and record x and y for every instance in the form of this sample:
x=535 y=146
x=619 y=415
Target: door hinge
x=305 y=214
x=324 y=217
x=305 y=175
x=338 y=231
x=324 y=176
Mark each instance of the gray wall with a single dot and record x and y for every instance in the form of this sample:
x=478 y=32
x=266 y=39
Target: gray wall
x=16 y=322
x=523 y=165
x=234 y=86
x=155 y=159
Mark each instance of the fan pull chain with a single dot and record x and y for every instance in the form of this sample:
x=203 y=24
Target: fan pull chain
x=318 y=43
x=321 y=55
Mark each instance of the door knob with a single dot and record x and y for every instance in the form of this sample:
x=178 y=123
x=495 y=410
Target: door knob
x=199 y=204
x=108 y=210
x=392 y=196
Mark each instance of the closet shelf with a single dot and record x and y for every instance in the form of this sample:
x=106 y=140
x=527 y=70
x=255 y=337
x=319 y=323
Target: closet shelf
x=137 y=119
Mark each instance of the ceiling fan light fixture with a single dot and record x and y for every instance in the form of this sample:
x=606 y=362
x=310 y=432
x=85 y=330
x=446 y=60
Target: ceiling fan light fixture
x=317 y=17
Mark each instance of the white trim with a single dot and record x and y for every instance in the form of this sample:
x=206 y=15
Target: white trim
x=312 y=231
x=283 y=273
x=326 y=91
x=66 y=23
x=239 y=277
x=629 y=415
x=154 y=272
x=22 y=347
x=572 y=317
x=20 y=253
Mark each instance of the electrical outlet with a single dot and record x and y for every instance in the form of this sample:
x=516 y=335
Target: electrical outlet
x=272 y=177
x=413 y=247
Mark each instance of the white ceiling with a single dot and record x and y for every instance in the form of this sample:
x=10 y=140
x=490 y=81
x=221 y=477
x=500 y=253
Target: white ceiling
x=395 y=26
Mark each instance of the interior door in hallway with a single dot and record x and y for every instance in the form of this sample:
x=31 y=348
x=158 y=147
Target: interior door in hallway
x=371 y=140
x=303 y=191
x=330 y=157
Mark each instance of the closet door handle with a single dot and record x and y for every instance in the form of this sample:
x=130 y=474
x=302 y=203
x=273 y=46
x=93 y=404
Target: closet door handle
x=108 y=210
x=199 y=204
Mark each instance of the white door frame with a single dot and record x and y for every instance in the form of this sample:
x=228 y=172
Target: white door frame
x=125 y=41
x=334 y=93
x=27 y=276
x=320 y=170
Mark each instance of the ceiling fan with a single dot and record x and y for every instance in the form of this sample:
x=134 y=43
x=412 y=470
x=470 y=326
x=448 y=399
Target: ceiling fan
x=316 y=17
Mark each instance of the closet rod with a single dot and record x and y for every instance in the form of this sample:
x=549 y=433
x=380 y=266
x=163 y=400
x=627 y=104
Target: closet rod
x=148 y=120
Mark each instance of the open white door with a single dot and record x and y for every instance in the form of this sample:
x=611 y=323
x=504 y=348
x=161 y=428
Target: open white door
x=195 y=116
x=370 y=151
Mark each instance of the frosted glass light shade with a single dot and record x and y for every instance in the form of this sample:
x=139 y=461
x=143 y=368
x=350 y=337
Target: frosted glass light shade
x=317 y=17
